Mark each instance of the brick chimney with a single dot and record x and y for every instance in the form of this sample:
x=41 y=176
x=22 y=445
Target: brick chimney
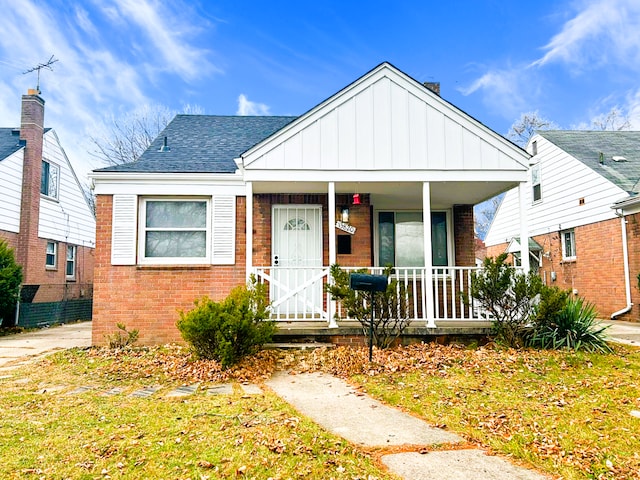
x=433 y=86
x=31 y=132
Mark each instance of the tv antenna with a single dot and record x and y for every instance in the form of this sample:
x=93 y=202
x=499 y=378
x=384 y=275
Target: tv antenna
x=39 y=67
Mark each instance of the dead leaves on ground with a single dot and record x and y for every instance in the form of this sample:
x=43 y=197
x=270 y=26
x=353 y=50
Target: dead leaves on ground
x=527 y=370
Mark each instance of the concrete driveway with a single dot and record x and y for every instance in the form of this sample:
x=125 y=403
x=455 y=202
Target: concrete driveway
x=23 y=347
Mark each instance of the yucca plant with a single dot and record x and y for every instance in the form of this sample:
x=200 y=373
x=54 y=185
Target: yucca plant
x=574 y=327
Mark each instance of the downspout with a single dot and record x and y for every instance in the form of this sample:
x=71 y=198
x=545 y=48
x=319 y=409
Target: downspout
x=626 y=269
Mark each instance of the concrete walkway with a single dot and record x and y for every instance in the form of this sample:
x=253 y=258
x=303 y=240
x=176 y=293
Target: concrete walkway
x=21 y=348
x=339 y=408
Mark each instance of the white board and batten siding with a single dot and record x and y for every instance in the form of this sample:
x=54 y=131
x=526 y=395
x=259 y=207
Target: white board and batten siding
x=564 y=182
x=67 y=218
x=385 y=122
x=11 y=191
x=125 y=229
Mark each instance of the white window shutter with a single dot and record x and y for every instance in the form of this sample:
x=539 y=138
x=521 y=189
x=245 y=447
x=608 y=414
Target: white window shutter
x=123 y=230
x=223 y=230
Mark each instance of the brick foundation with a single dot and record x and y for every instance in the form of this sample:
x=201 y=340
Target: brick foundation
x=597 y=273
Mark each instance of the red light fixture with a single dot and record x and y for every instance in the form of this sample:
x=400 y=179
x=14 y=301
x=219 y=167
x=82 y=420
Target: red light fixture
x=356 y=199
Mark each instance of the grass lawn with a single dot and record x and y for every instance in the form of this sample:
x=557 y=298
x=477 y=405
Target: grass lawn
x=48 y=433
x=569 y=414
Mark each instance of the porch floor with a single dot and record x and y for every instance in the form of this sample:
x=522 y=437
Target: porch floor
x=320 y=332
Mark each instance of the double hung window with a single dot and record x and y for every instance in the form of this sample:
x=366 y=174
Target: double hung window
x=568 y=238
x=49 y=181
x=536 y=184
x=51 y=253
x=71 y=262
x=175 y=231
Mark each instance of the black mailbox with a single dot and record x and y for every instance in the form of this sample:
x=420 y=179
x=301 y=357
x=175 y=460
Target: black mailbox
x=368 y=282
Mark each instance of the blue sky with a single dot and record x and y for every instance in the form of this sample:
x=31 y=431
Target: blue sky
x=569 y=60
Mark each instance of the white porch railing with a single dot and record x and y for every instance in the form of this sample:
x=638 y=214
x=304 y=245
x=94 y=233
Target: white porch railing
x=297 y=293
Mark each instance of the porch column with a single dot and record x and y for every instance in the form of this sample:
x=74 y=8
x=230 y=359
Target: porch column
x=331 y=304
x=428 y=257
x=249 y=225
x=524 y=229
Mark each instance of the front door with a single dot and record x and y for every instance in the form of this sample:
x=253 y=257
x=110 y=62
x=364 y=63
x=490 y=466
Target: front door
x=296 y=287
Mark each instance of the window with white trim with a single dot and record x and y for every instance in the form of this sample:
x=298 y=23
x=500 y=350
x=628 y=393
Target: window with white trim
x=50 y=179
x=175 y=231
x=401 y=239
x=568 y=238
x=536 y=184
x=51 y=253
x=70 y=268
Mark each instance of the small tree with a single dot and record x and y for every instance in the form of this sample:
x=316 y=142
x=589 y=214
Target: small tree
x=10 y=280
x=391 y=311
x=508 y=296
x=227 y=331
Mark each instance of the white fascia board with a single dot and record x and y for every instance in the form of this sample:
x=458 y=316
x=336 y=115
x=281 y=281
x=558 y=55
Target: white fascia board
x=111 y=183
x=516 y=153
x=628 y=206
x=386 y=176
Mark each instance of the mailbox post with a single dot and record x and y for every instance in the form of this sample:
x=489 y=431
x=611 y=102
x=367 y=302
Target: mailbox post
x=369 y=283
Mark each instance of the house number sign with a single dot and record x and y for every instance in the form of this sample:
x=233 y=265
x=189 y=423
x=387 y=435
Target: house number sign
x=346 y=227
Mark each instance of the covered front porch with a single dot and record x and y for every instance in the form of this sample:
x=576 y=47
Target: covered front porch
x=415 y=227
x=384 y=172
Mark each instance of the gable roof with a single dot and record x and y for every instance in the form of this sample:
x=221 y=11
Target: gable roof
x=203 y=144
x=385 y=121
x=9 y=142
x=587 y=147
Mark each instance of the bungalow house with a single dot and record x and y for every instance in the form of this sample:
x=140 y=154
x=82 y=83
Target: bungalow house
x=582 y=209
x=383 y=172
x=46 y=219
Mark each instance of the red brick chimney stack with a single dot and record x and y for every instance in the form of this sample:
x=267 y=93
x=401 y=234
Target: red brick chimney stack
x=31 y=132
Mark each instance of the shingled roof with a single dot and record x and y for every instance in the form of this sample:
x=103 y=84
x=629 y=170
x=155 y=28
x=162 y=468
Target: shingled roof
x=203 y=144
x=597 y=149
x=9 y=142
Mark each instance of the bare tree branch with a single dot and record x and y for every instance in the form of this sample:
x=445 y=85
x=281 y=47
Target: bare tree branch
x=126 y=138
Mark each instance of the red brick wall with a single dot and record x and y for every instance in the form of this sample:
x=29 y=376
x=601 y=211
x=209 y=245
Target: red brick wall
x=633 y=241
x=11 y=238
x=464 y=235
x=149 y=298
x=597 y=274
x=359 y=217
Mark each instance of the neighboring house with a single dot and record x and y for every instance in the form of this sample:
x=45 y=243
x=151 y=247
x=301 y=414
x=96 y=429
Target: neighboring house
x=582 y=212
x=46 y=219
x=383 y=172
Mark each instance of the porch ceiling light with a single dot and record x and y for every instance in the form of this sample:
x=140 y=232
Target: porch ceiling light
x=356 y=199
x=344 y=214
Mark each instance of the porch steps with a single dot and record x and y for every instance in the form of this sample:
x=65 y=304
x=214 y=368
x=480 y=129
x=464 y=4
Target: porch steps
x=298 y=345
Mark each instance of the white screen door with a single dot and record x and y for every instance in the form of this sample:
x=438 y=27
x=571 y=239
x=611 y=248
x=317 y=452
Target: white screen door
x=296 y=289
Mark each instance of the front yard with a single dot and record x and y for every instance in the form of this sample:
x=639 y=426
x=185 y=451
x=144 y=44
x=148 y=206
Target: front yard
x=571 y=415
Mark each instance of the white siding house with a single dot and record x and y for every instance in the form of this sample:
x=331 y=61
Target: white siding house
x=575 y=180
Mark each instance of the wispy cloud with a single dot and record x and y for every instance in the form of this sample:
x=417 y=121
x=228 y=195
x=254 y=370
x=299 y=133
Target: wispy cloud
x=502 y=90
x=167 y=36
x=247 y=107
x=97 y=76
x=605 y=31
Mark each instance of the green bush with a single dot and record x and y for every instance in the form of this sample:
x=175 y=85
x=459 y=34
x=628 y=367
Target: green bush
x=122 y=337
x=509 y=298
x=10 y=280
x=574 y=327
x=228 y=330
x=552 y=301
x=391 y=315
